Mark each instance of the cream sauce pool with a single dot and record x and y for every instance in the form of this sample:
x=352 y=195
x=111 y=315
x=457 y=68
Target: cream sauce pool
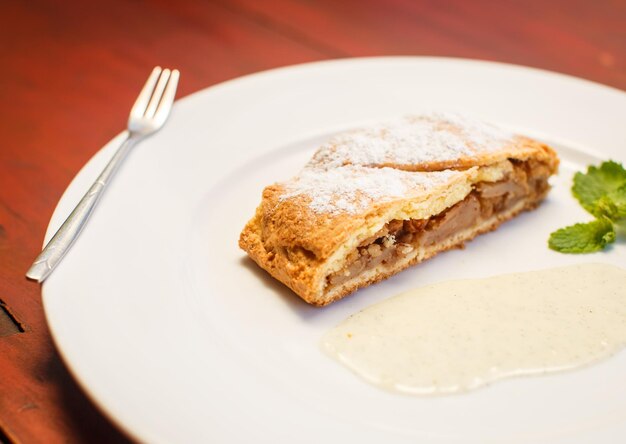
x=460 y=335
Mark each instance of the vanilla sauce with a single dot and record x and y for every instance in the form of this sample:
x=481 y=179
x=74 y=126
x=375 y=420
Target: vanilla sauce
x=460 y=335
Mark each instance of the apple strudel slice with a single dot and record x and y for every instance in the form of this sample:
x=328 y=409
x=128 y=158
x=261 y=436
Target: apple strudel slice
x=372 y=202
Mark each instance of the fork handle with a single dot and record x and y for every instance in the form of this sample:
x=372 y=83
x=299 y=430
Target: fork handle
x=65 y=236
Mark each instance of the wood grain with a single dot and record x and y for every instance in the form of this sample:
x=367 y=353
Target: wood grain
x=70 y=71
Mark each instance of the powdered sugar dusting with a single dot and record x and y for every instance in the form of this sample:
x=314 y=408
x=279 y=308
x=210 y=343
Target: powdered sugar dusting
x=344 y=175
x=351 y=189
x=428 y=138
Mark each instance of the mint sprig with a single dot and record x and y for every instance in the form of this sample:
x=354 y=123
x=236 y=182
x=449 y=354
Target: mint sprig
x=602 y=192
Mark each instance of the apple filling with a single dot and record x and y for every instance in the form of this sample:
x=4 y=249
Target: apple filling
x=398 y=238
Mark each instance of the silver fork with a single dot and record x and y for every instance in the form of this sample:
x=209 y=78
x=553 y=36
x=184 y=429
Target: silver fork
x=147 y=116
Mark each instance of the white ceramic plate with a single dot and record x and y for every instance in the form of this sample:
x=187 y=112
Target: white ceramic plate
x=179 y=338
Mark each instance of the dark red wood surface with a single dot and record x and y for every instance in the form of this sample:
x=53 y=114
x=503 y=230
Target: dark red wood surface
x=69 y=71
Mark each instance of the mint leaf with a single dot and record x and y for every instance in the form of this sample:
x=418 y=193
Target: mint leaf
x=598 y=182
x=583 y=238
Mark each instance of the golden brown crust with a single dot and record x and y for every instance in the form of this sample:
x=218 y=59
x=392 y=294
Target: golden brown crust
x=301 y=247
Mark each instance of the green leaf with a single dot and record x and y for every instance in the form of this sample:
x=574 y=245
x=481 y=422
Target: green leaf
x=598 y=182
x=583 y=238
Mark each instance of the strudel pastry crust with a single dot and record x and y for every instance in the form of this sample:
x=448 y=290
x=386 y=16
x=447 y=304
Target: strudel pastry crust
x=372 y=202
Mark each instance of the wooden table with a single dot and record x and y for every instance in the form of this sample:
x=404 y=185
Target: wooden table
x=69 y=71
